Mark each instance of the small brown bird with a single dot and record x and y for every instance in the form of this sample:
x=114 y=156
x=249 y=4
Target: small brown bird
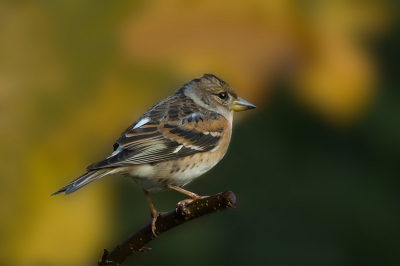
x=175 y=141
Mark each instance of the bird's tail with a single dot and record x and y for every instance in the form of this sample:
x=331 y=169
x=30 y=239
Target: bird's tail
x=83 y=180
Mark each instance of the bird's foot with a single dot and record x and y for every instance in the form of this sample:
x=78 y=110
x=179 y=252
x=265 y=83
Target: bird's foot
x=154 y=215
x=180 y=207
x=187 y=201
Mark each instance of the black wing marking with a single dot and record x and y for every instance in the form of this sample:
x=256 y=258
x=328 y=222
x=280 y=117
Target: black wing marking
x=152 y=142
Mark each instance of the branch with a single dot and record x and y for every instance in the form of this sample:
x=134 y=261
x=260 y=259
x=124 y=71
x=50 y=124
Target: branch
x=182 y=214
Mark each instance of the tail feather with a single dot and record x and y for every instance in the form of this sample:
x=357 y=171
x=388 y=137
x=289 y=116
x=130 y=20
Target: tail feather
x=83 y=180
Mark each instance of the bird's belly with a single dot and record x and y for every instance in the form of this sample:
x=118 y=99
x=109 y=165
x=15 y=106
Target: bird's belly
x=156 y=177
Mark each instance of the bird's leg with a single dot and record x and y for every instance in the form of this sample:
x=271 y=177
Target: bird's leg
x=193 y=196
x=154 y=213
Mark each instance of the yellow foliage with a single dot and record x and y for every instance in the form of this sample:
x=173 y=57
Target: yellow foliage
x=55 y=119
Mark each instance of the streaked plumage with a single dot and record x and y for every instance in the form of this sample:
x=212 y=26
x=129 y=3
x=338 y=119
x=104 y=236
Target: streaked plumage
x=175 y=141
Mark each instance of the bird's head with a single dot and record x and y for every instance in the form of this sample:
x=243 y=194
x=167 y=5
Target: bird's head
x=216 y=95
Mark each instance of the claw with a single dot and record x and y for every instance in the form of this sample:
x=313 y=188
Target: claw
x=185 y=201
x=153 y=226
x=180 y=206
x=154 y=214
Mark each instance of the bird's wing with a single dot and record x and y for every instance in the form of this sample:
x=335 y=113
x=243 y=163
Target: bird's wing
x=149 y=142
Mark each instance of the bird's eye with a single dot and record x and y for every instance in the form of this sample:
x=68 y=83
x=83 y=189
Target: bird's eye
x=223 y=95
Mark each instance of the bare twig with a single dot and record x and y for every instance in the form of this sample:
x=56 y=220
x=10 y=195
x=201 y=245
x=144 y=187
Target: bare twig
x=182 y=214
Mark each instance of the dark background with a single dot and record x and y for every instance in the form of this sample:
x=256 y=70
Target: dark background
x=315 y=167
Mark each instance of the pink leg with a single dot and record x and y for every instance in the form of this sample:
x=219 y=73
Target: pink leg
x=154 y=213
x=193 y=196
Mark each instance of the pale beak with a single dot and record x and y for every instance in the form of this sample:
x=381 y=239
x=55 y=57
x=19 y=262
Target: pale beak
x=241 y=105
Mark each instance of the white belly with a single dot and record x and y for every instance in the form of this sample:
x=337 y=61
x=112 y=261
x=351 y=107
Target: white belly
x=156 y=177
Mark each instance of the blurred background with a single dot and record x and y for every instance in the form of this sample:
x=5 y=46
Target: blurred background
x=315 y=167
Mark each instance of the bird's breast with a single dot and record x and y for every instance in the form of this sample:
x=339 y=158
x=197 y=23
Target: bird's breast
x=157 y=176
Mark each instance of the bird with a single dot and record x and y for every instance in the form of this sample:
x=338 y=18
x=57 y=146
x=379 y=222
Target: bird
x=175 y=141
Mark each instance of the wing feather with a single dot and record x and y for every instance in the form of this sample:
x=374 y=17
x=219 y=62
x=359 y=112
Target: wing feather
x=158 y=141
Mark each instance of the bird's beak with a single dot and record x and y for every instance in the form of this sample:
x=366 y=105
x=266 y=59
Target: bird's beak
x=241 y=105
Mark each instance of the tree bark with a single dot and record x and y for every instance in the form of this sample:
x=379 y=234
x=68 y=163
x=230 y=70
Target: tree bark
x=182 y=214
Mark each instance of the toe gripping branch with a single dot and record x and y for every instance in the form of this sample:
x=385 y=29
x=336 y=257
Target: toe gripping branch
x=182 y=214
